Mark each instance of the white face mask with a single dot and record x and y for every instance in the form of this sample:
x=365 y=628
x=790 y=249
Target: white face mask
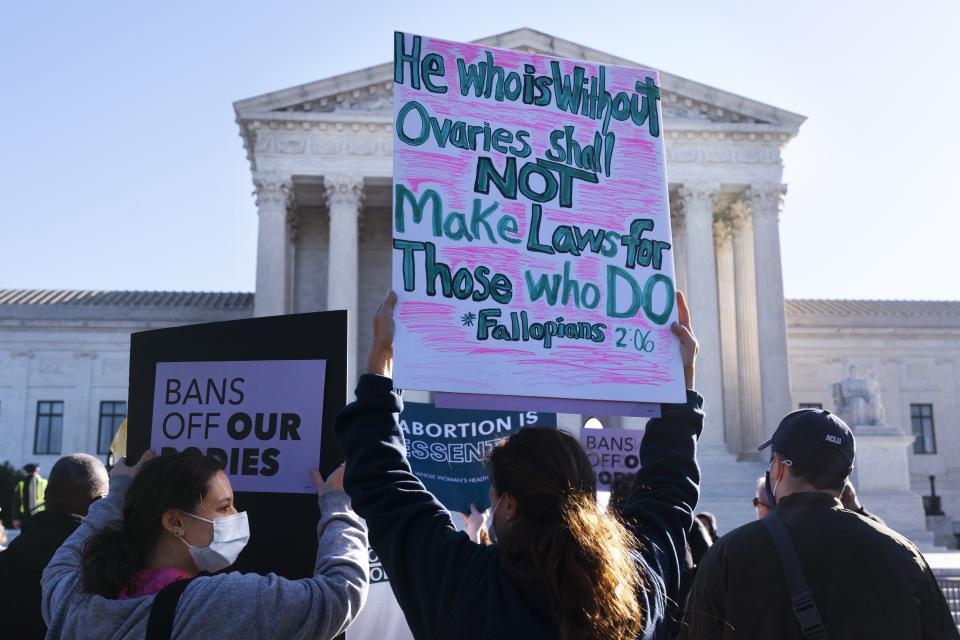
x=772 y=487
x=230 y=536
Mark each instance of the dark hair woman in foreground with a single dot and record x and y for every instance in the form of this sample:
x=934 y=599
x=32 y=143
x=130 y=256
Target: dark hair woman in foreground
x=168 y=518
x=561 y=568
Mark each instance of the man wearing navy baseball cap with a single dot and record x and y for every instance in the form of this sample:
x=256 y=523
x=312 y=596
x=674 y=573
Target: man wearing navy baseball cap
x=812 y=569
x=810 y=447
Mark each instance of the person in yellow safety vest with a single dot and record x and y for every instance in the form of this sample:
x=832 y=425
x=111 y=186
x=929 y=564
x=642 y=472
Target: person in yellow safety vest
x=28 y=496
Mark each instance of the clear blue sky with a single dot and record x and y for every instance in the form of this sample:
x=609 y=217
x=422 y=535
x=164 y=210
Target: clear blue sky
x=121 y=165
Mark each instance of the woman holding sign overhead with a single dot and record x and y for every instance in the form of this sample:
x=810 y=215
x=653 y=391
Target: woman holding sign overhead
x=561 y=568
x=130 y=570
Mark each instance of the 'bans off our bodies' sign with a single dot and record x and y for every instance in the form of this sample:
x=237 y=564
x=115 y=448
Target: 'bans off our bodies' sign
x=261 y=418
x=612 y=452
x=532 y=248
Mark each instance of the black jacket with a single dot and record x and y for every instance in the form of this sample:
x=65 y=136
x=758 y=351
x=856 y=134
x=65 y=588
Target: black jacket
x=868 y=581
x=449 y=587
x=21 y=566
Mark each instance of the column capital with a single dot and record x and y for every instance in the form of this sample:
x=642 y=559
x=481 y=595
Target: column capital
x=697 y=198
x=343 y=192
x=722 y=229
x=272 y=188
x=765 y=200
x=739 y=215
x=698 y=194
x=676 y=213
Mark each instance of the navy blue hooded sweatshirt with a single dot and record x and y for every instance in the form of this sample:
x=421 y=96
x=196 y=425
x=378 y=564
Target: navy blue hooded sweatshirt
x=450 y=587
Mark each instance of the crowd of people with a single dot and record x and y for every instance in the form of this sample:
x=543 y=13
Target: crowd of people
x=146 y=552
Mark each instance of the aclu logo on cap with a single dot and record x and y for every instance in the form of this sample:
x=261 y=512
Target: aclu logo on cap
x=833 y=439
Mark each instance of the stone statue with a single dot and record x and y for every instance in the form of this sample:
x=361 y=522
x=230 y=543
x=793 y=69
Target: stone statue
x=858 y=399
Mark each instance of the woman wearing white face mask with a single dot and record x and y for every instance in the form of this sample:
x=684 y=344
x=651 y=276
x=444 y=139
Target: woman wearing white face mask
x=131 y=570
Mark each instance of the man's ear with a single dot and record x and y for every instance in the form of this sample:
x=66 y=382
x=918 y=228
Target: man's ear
x=780 y=471
x=172 y=521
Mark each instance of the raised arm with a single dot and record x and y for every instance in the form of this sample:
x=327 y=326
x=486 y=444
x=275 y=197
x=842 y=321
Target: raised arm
x=320 y=607
x=424 y=556
x=665 y=492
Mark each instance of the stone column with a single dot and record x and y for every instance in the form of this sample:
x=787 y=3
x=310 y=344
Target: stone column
x=678 y=230
x=701 y=292
x=751 y=426
x=727 y=300
x=344 y=195
x=771 y=319
x=274 y=194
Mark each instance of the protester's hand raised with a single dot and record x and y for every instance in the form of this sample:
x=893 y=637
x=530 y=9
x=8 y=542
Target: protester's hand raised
x=333 y=483
x=689 y=347
x=381 y=351
x=122 y=468
x=475 y=521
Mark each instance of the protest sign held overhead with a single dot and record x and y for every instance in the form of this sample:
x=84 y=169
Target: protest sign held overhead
x=260 y=395
x=260 y=418
x=612 y=452
x=447 y=448
x=532 y=244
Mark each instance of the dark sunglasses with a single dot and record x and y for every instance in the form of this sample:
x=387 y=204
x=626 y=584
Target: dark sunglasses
x=757 y=503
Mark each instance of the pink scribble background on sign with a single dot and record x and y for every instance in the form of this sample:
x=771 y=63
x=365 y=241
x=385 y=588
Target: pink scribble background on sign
x=437 y=347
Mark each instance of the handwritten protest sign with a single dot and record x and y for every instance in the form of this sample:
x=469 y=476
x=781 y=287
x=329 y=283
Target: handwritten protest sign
x=260 y=418
x=448 y=448
x=612 y=452
x=532 y=251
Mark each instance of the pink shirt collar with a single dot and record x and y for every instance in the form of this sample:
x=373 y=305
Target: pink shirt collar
x=147 y=582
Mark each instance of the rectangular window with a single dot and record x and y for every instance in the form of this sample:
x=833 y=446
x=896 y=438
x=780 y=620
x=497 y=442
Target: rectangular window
x=49 y=427
x=810 y=405
x=111 y=415
x=921 y=418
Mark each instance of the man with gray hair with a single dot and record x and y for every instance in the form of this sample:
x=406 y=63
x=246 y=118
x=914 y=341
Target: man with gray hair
x=75 y=481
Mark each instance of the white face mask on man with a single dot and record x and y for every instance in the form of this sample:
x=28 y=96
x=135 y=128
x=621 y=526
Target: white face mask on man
x=230 y=536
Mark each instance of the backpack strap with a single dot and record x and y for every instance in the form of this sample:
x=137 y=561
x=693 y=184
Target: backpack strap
x=160 y=622
x=804 y=608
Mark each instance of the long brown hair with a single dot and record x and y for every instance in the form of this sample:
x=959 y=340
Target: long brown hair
x=113 y=555
x=560 y=546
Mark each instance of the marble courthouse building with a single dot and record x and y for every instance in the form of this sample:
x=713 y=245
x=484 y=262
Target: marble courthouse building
x=321 y=161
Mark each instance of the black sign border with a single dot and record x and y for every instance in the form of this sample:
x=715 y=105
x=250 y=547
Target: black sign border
x=283 y=526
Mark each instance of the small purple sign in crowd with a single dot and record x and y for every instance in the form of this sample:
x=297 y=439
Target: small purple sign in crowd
x=612 y=452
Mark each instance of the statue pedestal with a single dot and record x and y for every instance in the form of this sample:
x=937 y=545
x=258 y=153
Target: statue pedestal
x=881 y=475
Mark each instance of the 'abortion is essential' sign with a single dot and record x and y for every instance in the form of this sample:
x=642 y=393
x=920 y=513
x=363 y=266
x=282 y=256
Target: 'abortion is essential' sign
x=448 y=448
x=532 y=251
x=261 y=418
x=612 y=452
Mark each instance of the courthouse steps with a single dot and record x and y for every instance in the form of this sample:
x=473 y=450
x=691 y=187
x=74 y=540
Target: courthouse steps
x=727 y=486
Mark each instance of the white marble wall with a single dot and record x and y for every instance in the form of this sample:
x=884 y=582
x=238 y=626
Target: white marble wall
x=81 y=368
x=912 y=365
x=81 y=361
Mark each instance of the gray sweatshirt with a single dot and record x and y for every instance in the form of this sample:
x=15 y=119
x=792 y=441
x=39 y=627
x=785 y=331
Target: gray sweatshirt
x=233 y=605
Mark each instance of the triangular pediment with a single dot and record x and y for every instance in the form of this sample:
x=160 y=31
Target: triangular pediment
x=370 y=90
